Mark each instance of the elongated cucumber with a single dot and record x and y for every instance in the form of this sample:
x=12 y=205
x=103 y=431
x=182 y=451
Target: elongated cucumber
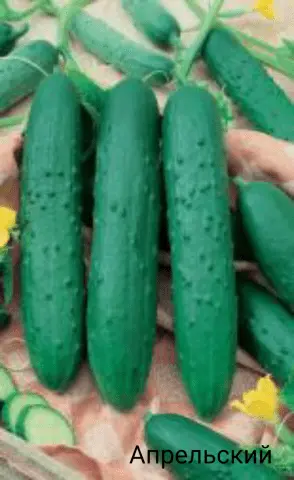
x=121 y=312
x=201 y=247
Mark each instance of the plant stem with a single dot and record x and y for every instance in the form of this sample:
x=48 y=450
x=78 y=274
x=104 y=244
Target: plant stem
x=11 y=121
x=192 y=52
x=284 y=434
x=254 y=41
x=9 y=14
x=196 y=8
x=239 y=12
x=283 y=65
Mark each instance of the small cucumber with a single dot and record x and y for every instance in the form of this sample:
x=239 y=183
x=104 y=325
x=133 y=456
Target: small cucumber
x=128 y=57
x=9 y=36
x=266 y=330
x=121 y=314
x=246 y=81
x=268 y=219
x=203 y=273
x=42 y=425
x=152 y=19
x=91 y=95
x=174 y=433
x=22 y=71
x=15 y=405
x=7 y=386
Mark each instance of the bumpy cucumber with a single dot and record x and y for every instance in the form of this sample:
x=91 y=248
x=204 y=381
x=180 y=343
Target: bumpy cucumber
x=121 y=313
x=175 y=433
x=9 y=36
x=42 y=425
x=7 y=386
x=266 y=330
x=15 y=405
x=22 y=71
x=51 y=237
x=246 y=81
x=154 y=21
x=112 y=47
x=268 y=218
x=201 y=247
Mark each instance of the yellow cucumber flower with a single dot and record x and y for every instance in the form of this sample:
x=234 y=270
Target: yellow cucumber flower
x=261 y=403
x=265 y=8
x=7 y=222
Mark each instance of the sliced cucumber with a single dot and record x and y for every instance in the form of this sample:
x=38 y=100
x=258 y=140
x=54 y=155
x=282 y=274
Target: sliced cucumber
x=14 y=406
x=7 y=386
x=42 y=425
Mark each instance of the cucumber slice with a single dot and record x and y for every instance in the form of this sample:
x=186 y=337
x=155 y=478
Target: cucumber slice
x=7 y=386
x=42 y=425
x=15 y=405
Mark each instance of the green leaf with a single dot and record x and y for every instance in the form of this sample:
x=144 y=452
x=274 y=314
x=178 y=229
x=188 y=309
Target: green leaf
x=289 y=44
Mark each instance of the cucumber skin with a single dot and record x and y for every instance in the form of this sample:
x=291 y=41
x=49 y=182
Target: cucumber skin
x=266 y=330
x=203 y=274
x=246 y=81
x=152 y=19
x=174 y=432
x=268 y=219
x=51 y=236
x=110 y=46
x=18 y=79
x=5 y=411
x=122 y=286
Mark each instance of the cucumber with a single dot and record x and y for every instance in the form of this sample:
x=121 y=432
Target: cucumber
x=126 y=56
x=121 y=314
x=246 y=81
x=51 y=233
x=152 y=19
x=174 y=433
x=266 y=330
x=42 y=425
x=15 y=405
x=9 y=36
x=7 y=386
x=21 y=71
x=203 y=274
x=268 y=219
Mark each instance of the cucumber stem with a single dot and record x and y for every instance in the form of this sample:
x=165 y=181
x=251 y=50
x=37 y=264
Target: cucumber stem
x=11 y=121
x=239 y=12
x=193 y=51
x=9 y=14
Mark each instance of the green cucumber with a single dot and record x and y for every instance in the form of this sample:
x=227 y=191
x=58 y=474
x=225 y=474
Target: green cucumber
x=152 y=19
x=266 y=330
x=174 y=433
x=9 y=36
x=121 y=314
x=22 y=71
x=43 y=425
x=246 y=81
x=15 y=405
x=203 y=274
x=268 y=219
x=128 y=57
x=7 y=386
x=51 y=233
